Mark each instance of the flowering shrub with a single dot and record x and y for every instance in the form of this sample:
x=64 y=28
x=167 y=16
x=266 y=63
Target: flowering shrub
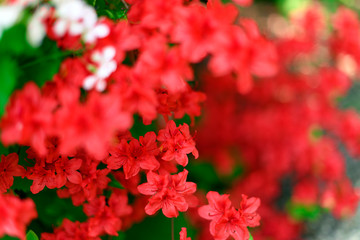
x=114 y=110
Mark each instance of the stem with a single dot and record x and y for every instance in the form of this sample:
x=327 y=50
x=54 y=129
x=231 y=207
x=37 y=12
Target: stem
x=172 y=229
x=51 y=57
x=125 y=4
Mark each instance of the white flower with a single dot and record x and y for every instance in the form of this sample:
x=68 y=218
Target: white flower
x=99 y=31
x=74 y=17
x=36 y=29
x=9 y=14
x=106 y=65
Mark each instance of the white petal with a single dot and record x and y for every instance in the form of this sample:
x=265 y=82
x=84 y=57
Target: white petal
x=89 y=37
x=71 y=10
x=9 y=15
x=106 y=69
x=89 y=17
x=109 y=53
x=89 y=82
x=60 y=27
x=101 y=30
x=76 y=29
x=96 y=57
x=36 y=29
x=101 y=85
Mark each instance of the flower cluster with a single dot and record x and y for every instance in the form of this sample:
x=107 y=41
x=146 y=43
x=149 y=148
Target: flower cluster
x=287 y=129
x=115 y=112
x=16 y=214
x=226 y=220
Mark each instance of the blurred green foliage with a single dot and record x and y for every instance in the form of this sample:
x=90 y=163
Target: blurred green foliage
x=113 y=9
x=300 y=212
x=20 y=63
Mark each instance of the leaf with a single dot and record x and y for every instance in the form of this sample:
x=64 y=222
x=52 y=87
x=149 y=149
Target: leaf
x=121 y=236
x=139 y=129
x=303 y=212
x=286 y=6
x=251 y=237
x=52 y=209
x=113 y=9
x=13 y=41
x=160 y=227
x=114 y=182
x=42 y=64
x=8 y=76
x=31 y=236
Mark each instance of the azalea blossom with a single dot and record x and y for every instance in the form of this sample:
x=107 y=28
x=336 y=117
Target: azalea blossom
x=168 y=192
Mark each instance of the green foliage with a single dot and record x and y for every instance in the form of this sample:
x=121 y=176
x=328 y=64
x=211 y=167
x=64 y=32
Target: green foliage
x=302 y=212
x=13 y=41
x=159 y=227
x=205 y=176
x=9 y=238
x=42 y=64
x=120 y=237
x=113 y=9
x=251 y=237
x=114 y=183
x=20 y=62
x=31 y=236
x=8 y=75
x=139 y=129
x=52 y=210
x=286 y=6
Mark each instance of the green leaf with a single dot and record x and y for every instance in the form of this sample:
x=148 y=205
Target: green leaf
x=42 y=64
x=251 y=237
x=9 y=238
x=301 y=212
x=114 y=9
x=3 y=150
x=52 y=209
x=286 y=6
x=8 y=75
x=114 y=183
x=31 y=236
x=121 y=236
x=160 y=228
x=139 y=129
x=14 y=42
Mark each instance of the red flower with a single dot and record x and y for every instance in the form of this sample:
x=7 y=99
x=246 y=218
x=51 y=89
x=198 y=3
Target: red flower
x=28 y=118
x=15 y=215
x=218 y=205
x=104 y=219
x=8 y=169
x=177 y=143
x=135 y=155
x=247 y=210
x=91 y=125
x=183 y=234
x=168 y=192
x=70 y=230
x=226 y=220
x=244 y=3
x=230 y=224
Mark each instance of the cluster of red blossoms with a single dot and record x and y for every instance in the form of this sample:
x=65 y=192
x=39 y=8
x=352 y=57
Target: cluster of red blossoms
x=226 y=220
x=288 y=128
x=76 y=127
x=142 y=66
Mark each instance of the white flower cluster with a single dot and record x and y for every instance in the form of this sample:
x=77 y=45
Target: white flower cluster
x=76 y=18
x=11 y=12
x=105 y=66
x=73 y=17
